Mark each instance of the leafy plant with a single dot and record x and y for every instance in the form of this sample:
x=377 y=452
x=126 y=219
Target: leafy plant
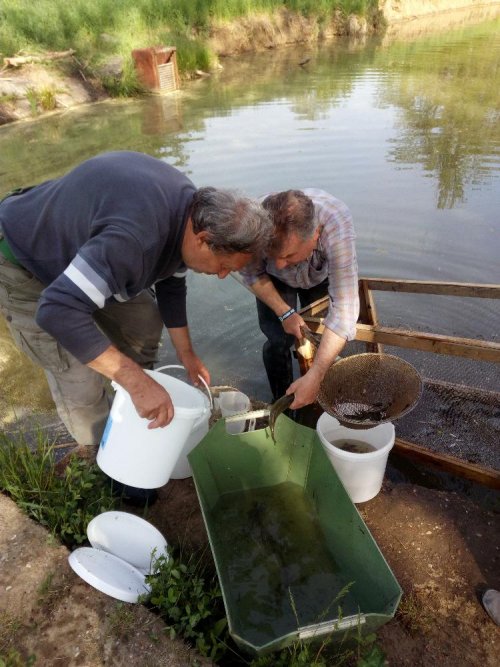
x=65 y=505
x=14 y=659
x=187 y=596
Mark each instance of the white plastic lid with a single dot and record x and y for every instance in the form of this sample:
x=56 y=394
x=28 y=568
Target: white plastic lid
x=123 y=551
x=128 y=537
x=108 y=574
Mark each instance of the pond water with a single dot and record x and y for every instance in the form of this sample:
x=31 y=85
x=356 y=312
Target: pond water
x=406 y=133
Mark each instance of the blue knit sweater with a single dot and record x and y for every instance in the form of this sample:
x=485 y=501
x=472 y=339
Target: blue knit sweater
x=108 y=229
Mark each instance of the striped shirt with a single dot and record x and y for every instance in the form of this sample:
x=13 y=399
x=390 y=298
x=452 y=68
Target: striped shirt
x=334 y=258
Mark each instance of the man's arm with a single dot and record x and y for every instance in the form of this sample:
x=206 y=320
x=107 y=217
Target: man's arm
x=181 y=340
x=150 y=399
x=264 y=289
x=306 y=388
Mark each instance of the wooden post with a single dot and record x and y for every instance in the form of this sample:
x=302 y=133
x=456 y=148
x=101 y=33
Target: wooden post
x=368 y=313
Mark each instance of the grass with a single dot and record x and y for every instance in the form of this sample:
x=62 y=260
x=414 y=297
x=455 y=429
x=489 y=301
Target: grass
x=413 y=613
x=64 y=505
x=14 y=659
x=121 y=622
x=97 y=29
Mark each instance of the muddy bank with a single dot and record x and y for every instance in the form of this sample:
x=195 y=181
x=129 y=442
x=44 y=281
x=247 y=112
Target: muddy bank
x=442 y=547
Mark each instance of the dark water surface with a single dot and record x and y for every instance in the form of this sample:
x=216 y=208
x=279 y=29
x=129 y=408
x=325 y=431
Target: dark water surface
x=279 y=571
x=406 y=133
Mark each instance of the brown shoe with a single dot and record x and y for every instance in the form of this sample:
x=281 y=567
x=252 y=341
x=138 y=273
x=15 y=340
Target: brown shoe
x=86 y=453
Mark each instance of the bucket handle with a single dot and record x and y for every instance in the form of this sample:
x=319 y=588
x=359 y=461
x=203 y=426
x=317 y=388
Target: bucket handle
x=210 y=398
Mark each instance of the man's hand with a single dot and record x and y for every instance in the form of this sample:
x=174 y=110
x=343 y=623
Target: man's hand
x=192 y=363
x=150 y=399
x=292 y=325
x=305 y=388
x=194 y=368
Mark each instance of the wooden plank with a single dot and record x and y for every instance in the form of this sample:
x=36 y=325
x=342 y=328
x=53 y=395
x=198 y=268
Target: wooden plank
x=450 y=464
x=316 y=307
x=484 y=291
x=314 y=320
x=469 y=348
x=368 y=313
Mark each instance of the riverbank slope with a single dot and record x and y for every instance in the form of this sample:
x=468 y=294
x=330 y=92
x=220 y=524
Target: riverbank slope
x=54 y=82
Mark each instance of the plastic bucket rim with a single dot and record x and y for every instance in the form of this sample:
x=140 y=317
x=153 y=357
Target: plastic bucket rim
x=180 y=411
x=354 y=456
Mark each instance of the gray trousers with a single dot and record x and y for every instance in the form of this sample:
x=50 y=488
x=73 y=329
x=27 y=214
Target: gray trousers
x=80 y=394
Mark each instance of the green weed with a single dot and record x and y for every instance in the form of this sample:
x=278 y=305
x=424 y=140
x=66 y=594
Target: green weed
x=413 y=614
x=187 y=596
x=65 y=505
x=32 y=97
x=81 y=24
x=14 y=659
x=121 y=621
x=7 y=98
x=47 y=99
x=9 y=625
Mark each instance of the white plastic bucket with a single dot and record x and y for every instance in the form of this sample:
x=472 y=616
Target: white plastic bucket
x=145 y=458
x=361 y=474
x=182 y=469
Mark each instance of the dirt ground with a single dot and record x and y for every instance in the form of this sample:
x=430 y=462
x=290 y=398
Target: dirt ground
x=443 y=547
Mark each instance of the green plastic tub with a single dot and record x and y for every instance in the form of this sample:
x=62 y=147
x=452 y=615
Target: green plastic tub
x=294 y=557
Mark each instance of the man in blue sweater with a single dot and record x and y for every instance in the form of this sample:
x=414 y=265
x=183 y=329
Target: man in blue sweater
x=79 y=256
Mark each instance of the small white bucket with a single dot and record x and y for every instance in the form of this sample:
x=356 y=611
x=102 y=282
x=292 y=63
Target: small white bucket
x=235 y=403
x=145 y=458
x=361 y=474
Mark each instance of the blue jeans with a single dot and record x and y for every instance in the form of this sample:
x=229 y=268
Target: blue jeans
x=276 y=352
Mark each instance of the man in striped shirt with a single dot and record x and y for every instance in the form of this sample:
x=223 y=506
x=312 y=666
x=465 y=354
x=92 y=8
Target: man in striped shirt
x=78 y=258
x=312 y=254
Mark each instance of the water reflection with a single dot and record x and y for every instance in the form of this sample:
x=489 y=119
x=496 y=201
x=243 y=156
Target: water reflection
x=450 y=112
x=406 y=133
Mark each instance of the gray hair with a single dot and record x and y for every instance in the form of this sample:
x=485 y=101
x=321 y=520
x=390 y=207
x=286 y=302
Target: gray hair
x=234 y=222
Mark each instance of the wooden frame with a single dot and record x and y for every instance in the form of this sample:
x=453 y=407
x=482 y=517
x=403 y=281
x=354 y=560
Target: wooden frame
x=375 y=337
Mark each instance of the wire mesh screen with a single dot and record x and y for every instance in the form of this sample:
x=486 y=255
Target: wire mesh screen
x=459 y=410
x=364 y=390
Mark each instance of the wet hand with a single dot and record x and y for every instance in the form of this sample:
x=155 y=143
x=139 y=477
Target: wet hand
x=306 y=389
x=292 y=325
